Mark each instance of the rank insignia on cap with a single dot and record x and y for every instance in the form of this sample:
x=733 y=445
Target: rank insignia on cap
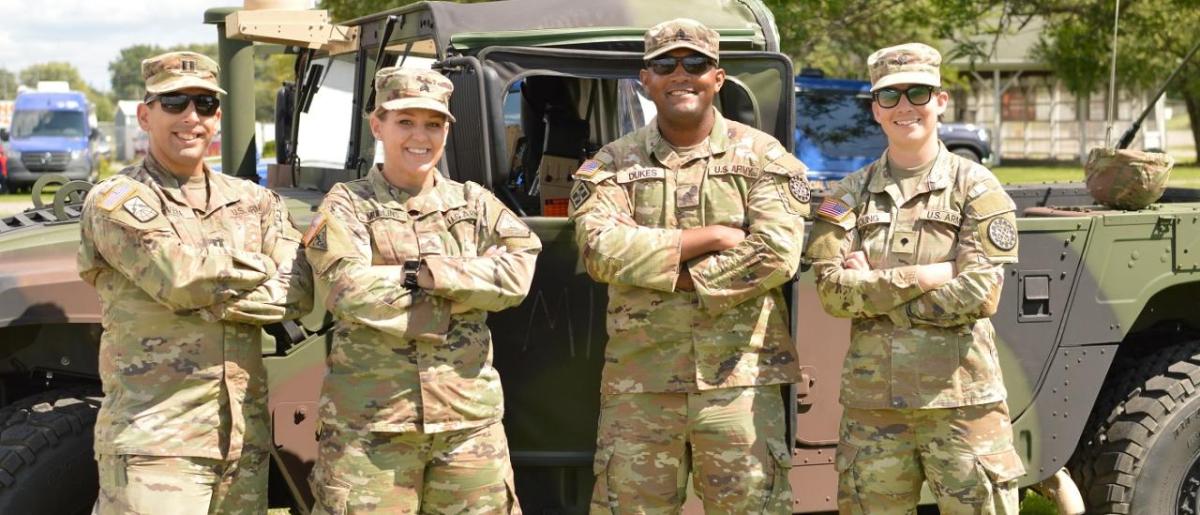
x=140 y=210
x=508 y=226
x=833 y=210
x=580 y=193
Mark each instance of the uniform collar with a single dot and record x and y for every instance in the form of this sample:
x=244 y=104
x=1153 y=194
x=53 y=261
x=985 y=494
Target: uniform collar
x=219 y=190
x=939 y=177
x=658 y=146
x=442 y=197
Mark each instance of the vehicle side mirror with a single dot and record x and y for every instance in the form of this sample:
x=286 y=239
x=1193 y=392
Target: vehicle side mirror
x=94 y=135
x=3 y=134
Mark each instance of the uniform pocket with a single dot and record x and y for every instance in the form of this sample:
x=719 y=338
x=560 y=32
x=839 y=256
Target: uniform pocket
x=779 y=488
x=331 y=500
x=849 y=499
x=1003 y=466
x=602 y=500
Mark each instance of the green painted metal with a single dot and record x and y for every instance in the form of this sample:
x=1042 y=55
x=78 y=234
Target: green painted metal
x=238 y=151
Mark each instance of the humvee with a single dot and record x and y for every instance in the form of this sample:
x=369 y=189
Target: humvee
x=1098 y=330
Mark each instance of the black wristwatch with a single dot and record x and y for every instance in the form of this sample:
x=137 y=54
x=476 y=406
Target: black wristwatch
x=411 y=268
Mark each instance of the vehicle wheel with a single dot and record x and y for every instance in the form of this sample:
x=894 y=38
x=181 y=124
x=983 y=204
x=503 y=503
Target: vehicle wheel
x=1140 y=453
x=46 y=463
x=966 y=153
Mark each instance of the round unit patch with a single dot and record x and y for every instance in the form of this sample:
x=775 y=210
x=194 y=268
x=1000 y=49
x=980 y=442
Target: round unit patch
x=1002 y=233
x=799 y=189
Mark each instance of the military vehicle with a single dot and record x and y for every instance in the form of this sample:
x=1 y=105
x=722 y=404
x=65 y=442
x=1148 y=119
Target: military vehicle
x=1098 y=331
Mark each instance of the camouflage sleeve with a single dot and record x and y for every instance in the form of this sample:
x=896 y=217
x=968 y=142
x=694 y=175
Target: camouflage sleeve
x=615 y=249
x=776 y=207
x=986 y=240
x=123 y=222
x=287 y=294
x=490 y=283
x=849 y=293
x=338 y=247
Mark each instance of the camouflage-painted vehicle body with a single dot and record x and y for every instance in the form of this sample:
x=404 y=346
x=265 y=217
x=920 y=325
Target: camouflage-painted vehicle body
x=1098 y=325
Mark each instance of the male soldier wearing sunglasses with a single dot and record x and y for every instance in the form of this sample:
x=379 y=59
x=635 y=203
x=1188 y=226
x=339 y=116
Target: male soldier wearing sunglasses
x=695 y=222
x=189 y=265
x=912 y=248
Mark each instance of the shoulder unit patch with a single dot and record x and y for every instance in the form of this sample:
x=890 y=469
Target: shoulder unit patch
x=140 y=210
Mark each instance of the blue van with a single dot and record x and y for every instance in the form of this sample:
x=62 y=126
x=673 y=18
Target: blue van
x=836 y=133
x=50 y=133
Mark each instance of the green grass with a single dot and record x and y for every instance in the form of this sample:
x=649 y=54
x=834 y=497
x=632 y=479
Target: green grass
x=1182 y=176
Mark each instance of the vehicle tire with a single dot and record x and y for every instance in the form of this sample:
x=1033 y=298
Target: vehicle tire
x=1140 y=452
x=966 y=153
x=46 y=462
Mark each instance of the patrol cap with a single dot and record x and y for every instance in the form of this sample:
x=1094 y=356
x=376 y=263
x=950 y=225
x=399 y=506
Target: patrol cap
x=681 y=33
x=174 y=71
x=910 y=63
x=413 y=88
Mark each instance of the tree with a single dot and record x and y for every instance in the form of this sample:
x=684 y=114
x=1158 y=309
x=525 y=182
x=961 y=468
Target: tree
x=341 y=10
x=1153 y=38
x=102 y=105
x=8 y=85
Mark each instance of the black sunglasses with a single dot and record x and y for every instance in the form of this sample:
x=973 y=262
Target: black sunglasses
x=693 y=64
x=175 y=102
x=888 y=98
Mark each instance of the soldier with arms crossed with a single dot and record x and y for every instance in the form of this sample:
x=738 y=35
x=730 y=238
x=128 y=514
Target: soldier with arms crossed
x=189 y=264
x=412 y=262
x=695 y=222
x=912 y=248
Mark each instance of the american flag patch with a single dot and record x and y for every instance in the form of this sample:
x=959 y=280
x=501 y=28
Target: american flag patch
x=833 y=209
x=588 y=166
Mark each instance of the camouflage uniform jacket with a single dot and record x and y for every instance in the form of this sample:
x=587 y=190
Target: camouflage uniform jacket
x=401 y=361
x=184 y=292
x=630 y=205
x=911 y=348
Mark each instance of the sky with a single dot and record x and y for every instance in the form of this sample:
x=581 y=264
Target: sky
x=91 y=33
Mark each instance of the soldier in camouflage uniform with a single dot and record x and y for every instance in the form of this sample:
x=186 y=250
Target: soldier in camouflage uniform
x=695 y=222
x=410 y=263
x=189 y=265
x=912 y=248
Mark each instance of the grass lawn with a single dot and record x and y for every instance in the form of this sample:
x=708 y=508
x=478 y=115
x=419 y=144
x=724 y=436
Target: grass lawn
x=1182 y=176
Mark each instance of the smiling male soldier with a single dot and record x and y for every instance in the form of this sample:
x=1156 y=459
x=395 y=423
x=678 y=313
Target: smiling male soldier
x=189 y=264
x=695 y=223
x=912 y=248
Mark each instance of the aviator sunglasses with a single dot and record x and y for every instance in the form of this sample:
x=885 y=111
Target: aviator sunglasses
x=917 y=96
x=693 y=64
x=175 y=102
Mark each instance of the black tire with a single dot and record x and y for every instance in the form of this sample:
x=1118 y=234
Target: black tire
x=966 y=153
x=1140 y=453
x=46 y=463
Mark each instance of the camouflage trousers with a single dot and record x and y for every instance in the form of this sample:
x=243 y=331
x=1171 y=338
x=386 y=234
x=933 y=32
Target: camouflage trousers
x=464 y=471
x=171 y=485
x=966 y=454
x=731 y=440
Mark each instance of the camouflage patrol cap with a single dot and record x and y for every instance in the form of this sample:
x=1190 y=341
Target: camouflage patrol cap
x=413 y=88
x=1125 y=178
x=681 y=33
x=174 y=71
x=910 y=63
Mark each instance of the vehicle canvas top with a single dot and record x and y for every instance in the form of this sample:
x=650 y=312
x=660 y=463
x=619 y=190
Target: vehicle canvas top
x=611 y=25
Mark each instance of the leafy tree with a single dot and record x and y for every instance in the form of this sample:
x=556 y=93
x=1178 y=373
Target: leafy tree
x=8 y=85
x=341 y=10
x=102 y=105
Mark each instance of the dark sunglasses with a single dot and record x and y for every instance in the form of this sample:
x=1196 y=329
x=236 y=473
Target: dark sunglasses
x=175 y=103
x=888 y=98
x=693 y=64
